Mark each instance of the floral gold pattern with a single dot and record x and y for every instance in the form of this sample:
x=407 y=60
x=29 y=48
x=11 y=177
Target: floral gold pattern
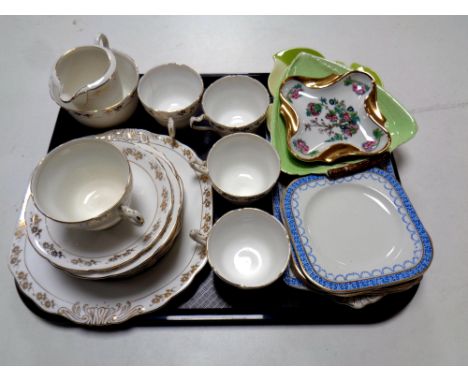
x=35 y=220
x=129 y=152
x=157 y=299
x=101 y=315
x=187 y=275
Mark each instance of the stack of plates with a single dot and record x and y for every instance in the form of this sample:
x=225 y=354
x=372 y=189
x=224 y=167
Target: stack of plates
x=56 y=266
x=124 y=248
x=357 y=238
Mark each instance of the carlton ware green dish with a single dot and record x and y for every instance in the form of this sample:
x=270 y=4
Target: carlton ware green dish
x=308 y=63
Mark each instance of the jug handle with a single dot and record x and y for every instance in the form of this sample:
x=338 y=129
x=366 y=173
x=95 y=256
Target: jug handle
x=102 y=40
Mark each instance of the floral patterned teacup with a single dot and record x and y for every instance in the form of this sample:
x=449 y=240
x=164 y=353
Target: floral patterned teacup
x=85 y=183
x=171 y=94
x=233 y=104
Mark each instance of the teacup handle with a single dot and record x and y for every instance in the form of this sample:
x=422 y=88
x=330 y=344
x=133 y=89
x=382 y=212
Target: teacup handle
x=171 y=128
x=102 y=40
x=133 y=215
x=199 y=237
x=199 y=167
x=199 y=119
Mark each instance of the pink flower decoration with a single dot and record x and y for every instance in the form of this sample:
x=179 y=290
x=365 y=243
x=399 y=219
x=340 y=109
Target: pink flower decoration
x=358 y=89
x=369 y=145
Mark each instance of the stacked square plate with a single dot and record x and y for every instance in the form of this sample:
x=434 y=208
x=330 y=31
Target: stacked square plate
x=356 y=238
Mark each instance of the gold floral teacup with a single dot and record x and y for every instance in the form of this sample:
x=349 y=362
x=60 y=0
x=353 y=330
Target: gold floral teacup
x=85 y=183
x=171 y=94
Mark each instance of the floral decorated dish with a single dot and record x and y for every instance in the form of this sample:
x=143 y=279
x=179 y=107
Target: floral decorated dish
x=356 y=233
x=333 y=117
x=305 y=63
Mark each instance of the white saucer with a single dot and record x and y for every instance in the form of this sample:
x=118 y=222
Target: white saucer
x=80 y=251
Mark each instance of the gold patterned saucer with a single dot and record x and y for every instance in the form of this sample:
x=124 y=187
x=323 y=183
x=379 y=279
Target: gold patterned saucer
x=111 y=302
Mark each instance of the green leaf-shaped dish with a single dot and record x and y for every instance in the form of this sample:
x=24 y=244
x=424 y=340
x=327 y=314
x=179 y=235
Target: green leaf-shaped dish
x=308 y=63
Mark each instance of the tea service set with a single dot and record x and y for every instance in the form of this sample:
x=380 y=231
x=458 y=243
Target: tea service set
x=137 y=207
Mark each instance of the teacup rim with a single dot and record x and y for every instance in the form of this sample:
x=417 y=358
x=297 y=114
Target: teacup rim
x=161 y=111
x=259 y=139
x=265 y=214
x=41 y=163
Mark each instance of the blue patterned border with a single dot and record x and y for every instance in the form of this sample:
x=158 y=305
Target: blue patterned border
x=288 y=276
x=374 y=278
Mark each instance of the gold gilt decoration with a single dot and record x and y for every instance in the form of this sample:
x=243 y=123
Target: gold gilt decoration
x=44 y=300
x=165 y=195
x=121 y=255
x=15 y=254
x=34 y=221
x=206 y=222
x=51 y=250
x=158 y=298
x=207 y=197
x=188 y=154
x=338 y=150
x=81 y=261
x=22 y=278
x=101 y=315
x=129 y=152
x=188 y=275
x=157 y=170
x=20 y=230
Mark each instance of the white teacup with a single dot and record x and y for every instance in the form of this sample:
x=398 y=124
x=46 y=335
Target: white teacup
x=85 y=183
x=242 y=167
x=233 y=104
x=247 y=248
x=171 y=93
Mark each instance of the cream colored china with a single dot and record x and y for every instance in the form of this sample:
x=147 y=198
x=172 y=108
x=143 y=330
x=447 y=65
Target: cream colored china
x=247 y=248
x=233 y=104
x=114 y=106
x=86 y=184
x=242 y=167
x=111 y=302
x=79 y=251
x=163 y=244
x=84 y=74
x=171 y=94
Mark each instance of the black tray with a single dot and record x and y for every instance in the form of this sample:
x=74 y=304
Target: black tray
x=210 y=300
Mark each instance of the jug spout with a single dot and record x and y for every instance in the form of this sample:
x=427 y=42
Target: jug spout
x=81 y=72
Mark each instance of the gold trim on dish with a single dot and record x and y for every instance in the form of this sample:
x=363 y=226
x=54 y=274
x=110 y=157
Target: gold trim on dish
x=339 y=150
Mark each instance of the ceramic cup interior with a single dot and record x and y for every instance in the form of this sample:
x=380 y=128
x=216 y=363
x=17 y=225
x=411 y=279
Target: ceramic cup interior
x=81 y=66
x=248 y=248
x=80 y=180
x=235 y=101
x=170 y=87
x=243 y=164
x=128 y=77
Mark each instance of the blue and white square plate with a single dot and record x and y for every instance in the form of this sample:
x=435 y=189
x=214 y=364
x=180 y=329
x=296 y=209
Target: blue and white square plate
x=355 y=234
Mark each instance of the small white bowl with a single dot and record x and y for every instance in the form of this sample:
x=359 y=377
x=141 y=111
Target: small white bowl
x=247 y=248
x=242 y=167
x=171 y=93
x=233 y=104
